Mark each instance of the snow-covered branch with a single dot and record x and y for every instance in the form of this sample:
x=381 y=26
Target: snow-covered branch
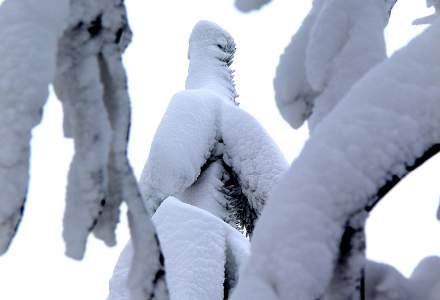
x=29 y=31
x=338 y=42
x=92 y=85
x=388 y=120
x=79 y=48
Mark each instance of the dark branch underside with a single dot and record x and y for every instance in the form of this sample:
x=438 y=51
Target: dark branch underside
x=352 y=241
x=390 y=184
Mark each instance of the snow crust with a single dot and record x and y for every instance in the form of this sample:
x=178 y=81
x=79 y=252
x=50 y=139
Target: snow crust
x=29 y=31
x=195 y=244
x=388 y=119
x=338 y=42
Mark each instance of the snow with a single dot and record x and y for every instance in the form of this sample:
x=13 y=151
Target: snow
x=250 y=151
x=431 y=18
x=88 y=71
x=194 y=244
x=338 y=42
x=375 y=132
x=92 y=86
x=249 y=5
x=384 y=282
x=293 y=94
x=29 y=31
x=203 y=124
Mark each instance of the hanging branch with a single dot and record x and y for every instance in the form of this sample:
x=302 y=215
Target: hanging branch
x=92 y=85
x=29 y=31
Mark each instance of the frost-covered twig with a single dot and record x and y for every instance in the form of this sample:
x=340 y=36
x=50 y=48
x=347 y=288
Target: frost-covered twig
x=388 y=120
x=202 y=127
x=29 y=31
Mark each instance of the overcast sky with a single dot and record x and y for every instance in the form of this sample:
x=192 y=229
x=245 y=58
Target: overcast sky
x=401 y=231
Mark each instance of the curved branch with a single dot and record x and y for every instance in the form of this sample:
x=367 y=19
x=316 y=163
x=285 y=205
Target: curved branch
x=390 y=184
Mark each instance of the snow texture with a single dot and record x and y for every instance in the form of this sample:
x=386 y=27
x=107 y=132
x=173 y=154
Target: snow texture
x=203 y=126
x=196 y=246
x=338 y=42
x=29 y=31
x=250 y=5
x=388 y=120
x=92 y=86
x=384 y=282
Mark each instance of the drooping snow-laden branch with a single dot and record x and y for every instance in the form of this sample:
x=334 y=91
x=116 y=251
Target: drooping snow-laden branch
x=79 y=48
x=338 y=42
x=92 y=86
x=202 y=128
x=29 y=31
x=388 y=120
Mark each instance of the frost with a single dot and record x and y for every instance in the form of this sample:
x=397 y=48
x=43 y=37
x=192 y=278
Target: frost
x=338 y=42
x=199 y=250
x=204 y=131
x=383 y=128
x=29 y=31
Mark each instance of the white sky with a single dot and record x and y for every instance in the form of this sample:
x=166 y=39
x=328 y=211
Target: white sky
x=401 y=231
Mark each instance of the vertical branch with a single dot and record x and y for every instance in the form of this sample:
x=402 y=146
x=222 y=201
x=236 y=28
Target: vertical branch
x=29 y=36
x=147 y=274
